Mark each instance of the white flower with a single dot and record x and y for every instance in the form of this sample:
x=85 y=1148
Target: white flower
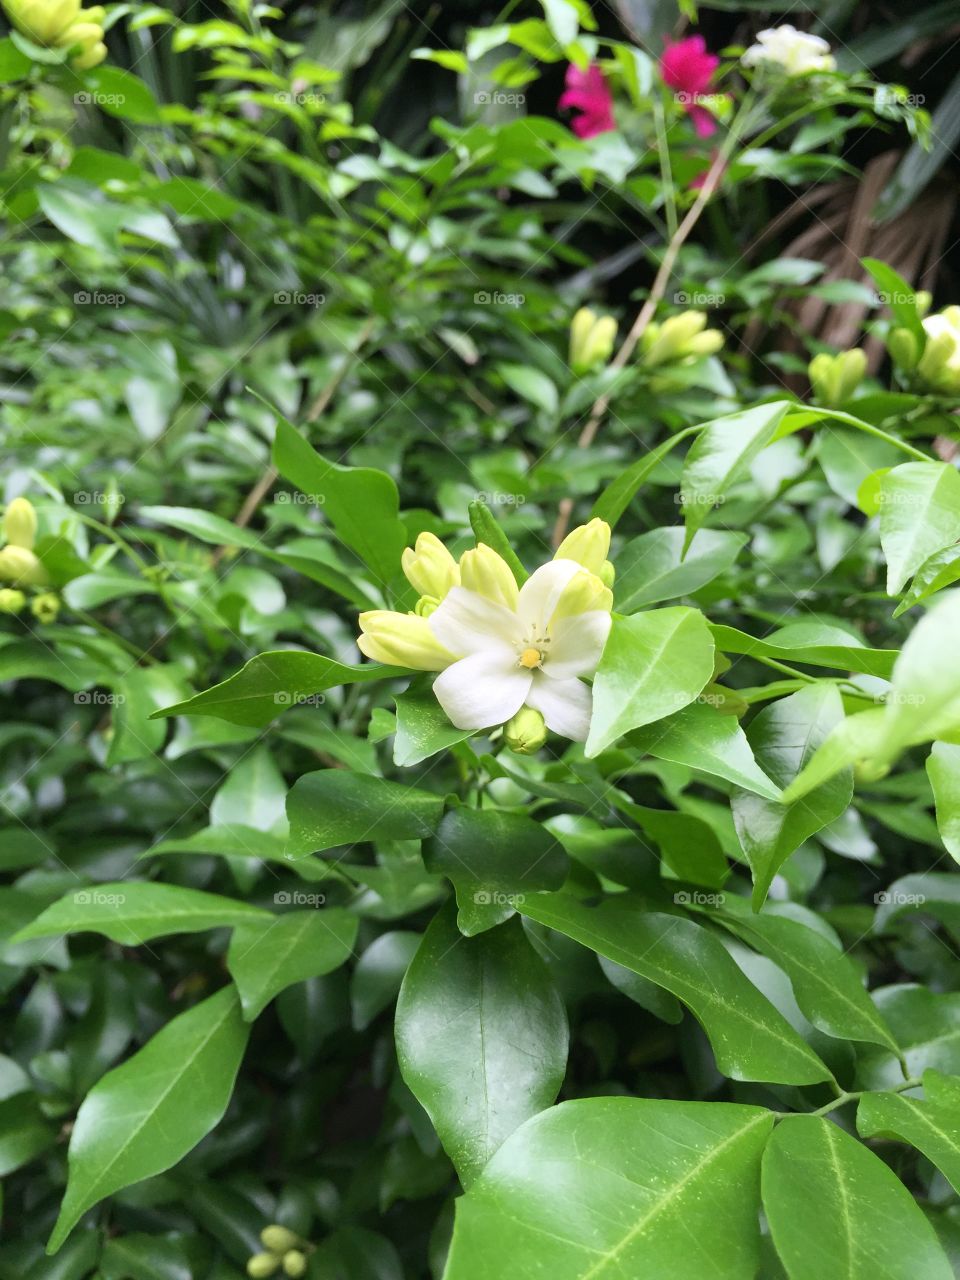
x=529 y=652
x=795 y=51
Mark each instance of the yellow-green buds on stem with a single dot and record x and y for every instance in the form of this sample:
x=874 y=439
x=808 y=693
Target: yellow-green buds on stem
x=20 y=524
x=939 y=366
x=294 y=1263
x=61 y=24
x=285 y=1251
x=45 y=607
x=526 y=732
x=903 y=348
x=11 y=600
x=19 y=566
x=680 y=337
x=279 y=1239
x=835 y=378
x=592 y=339
x=588 y=545
x=262 y=1265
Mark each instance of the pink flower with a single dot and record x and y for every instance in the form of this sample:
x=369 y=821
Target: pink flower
x=687 y=68
x=588 y=92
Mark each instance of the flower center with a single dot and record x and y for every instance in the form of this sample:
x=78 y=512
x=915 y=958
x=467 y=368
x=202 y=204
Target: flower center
x=531 y=658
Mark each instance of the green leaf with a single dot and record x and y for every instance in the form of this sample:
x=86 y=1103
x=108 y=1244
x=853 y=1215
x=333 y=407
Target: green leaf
x=422 y=725
x=937 y=572
x=919 y=515
x=932 y=1124
x=121 y=94
x=811 y=642
x=928 y=893
x=481 y=1037
x=145 y=1115
x=487 y=530
x=835 y=1209
x=137 y=1256
x=618 y=495
x=271 y=683
x=24 y=1131
x=699 y=736
x=493 y=860
x=231 y=841
x=653 y=664
x=141 y=692
x=898 y=295
x=652 y=567
x=272 y=954
x=377 y=975
x=333 y=807
x=361 y=504
x=721 y=456
x=784 y=737
x=531 y=384
x=14 y=65
x=617 y=1188
x=750 y=1039
x=80 y=219
x=132 y=912
x=826 y=985
x=926 y=1026
x=848 y=457
x=943 y=770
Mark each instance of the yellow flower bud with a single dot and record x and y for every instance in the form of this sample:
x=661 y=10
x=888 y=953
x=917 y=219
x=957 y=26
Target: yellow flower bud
x=607 y=574
x=923 y=298
x=835 y=378
x=852 y=366
x=904 y=348
x=11 y=600
x=20 y=523
x=672 y=341
x=400 y=640
x=939 y=365
x=294 y=1263
x=42 y=20
x=588 y=544
x=526 y=732
x=21 y=567
x=703 y=344
x=262 y=1265
x=45 y=607
x=279 y=1239
x=484 y=571
x=89 y=36
x=583 y=593
x=592 y=339
x=429 y=567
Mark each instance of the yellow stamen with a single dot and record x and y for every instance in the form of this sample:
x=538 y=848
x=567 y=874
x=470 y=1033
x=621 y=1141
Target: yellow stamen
x=531 y=658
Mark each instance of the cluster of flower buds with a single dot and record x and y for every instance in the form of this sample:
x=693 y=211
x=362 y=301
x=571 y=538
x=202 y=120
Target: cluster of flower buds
x=681 y=338
x=285 y=1253
x=937 y=367
x=61 y=24
x=835 y=378
x=19 y=565
x=592 y=340
x=790 y=52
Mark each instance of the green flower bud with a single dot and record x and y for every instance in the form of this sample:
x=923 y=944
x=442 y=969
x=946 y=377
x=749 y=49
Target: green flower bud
x=294 y=1263
x=592 y=339
x=21 y=567
x=262 y=1265
x=835 y=378
x=45 y=607
x=680 y=337
x=425 y=606
x=820 y=373
x=607 y=574
x=279 y=1239
x=852 y=366
x=20 y=523
x=923 y=299
x=903 y=348
x=939 y=365
x=11 y=600
x=526 y=732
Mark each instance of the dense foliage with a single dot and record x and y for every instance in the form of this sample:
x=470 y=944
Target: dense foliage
x=478 y=619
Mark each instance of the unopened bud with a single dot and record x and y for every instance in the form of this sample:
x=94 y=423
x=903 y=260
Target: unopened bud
x=592 y=340
x=904 y=348
x=851 y=365
x=21 y=567
x=11 y=600
x=20 y=523
x=262 y=1265
x=294 y=1263
x=526 y=732
x=923 y=298
x=870 y=771
x=607 y=574
x=45 y=607
x=279 y=1239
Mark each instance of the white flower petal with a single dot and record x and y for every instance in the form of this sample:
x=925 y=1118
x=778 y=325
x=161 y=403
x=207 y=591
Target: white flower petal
x=483 y=690
x=576 y=644
x=541 y=591
x=566 y=705
x=466 y=622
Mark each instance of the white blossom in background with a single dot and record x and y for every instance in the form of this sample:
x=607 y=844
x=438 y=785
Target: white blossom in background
x=795 y=51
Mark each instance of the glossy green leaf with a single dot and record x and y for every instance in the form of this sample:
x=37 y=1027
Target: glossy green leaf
x=270 y=955
x=653 y=665
x=493 y=860
x=652 y=567
x=835 y=1209
x=333 y=807
x=132 y=912
x=919 y=515
x=422 y=725
x=943 y=770
x=784 y=736
x=809 y=642
x=926 y=1026
x=750 y=1039
x=481 y=1037
x=145 y=1115
x=272 y=683
x=614 y=1188
x=931 y=1124
x=377 y=975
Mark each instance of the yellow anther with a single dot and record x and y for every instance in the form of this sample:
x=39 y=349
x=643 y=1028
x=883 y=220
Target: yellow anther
x=531 y=658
